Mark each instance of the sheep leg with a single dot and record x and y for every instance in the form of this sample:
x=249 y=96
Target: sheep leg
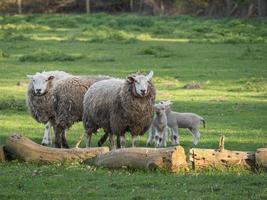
x=64 y=140
x=88 y=140
x=151 y=136
x=111 y=140
x=175 y=136
x=164 y=137
x=196 y=135
x=134 y=138
x=58 y=132
x=47 y=136
x=118 y=142
x=103 y=139
x=123 y=141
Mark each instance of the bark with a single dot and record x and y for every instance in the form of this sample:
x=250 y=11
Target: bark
x=261 y=157
x=27 y=150
x=172 y=159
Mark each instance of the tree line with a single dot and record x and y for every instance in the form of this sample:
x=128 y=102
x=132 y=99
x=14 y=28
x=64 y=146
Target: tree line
x=224 y=8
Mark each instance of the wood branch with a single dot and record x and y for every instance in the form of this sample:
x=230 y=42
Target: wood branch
x=2 y=154
x=172 y=159
x=261 y=157
x=221 y=143
x=27 y=150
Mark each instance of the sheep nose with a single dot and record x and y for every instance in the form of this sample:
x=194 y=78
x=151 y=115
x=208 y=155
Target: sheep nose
x=38 y=90
x=143 y=92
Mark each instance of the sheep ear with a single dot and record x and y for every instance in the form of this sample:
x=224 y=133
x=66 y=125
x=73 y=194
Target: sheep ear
x=150 y=75
x=29 y=76
x=167 y=102
x=131 y=79
x=51 y=77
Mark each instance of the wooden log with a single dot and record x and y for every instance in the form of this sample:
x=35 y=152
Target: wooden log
x=261 y=157
x=27 y=150
x=2 y=154
x=217 y=158
x=202 y=158
x=172 y=159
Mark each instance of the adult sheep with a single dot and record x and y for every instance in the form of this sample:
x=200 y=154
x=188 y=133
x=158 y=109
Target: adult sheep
x=68 y=104
x=119 y=106
x=39 y=98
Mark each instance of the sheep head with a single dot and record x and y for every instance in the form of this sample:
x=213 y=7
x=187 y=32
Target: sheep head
x=39 y=82
x=159 y=109
x=140 y=83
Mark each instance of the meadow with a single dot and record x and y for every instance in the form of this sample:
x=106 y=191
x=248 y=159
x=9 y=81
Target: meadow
x=227 y=57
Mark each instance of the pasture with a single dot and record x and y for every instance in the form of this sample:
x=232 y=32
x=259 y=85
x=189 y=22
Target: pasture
x=226 y=56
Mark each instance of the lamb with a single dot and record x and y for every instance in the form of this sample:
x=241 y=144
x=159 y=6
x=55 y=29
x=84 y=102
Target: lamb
x=39 y=98
x=176 y=120
x=68 y=104
x=158 y=130
x=119 y=106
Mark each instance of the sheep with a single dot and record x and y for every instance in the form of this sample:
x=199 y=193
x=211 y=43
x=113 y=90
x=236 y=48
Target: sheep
x=176 y=120
x=39 y=98
x=158 y=130
x=119 y=106
x=68 y=104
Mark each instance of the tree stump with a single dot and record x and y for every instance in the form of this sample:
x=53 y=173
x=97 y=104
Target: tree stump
x=27 y=150
x=172 y=159
x=261 y=157
x=217 y=158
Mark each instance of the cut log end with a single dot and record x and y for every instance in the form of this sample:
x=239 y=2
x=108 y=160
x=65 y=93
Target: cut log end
x=261 y=158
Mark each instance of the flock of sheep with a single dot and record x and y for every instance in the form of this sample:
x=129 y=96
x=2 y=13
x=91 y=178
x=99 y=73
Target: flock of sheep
x=59 y=99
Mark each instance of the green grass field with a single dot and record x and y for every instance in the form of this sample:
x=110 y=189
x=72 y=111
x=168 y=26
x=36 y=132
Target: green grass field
x=226 y=56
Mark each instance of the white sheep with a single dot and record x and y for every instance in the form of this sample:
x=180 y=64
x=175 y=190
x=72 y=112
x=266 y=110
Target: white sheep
x=158 y=130
x=190 y=121
x=68 y=97
x=119 y=106
x=39 y=98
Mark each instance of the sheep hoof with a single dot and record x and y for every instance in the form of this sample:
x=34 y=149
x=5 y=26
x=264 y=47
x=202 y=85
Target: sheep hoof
x=99 y=144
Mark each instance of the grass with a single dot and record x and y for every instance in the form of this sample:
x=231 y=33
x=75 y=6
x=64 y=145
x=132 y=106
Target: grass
x=226 y=56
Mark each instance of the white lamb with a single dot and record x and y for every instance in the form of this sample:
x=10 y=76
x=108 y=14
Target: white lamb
x=190 y=121
x=158 y=130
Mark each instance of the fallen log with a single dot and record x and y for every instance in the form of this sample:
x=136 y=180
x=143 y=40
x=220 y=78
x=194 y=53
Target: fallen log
x=261 y=158
x=172 y=159
x=218 y=158
x=27 y=150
